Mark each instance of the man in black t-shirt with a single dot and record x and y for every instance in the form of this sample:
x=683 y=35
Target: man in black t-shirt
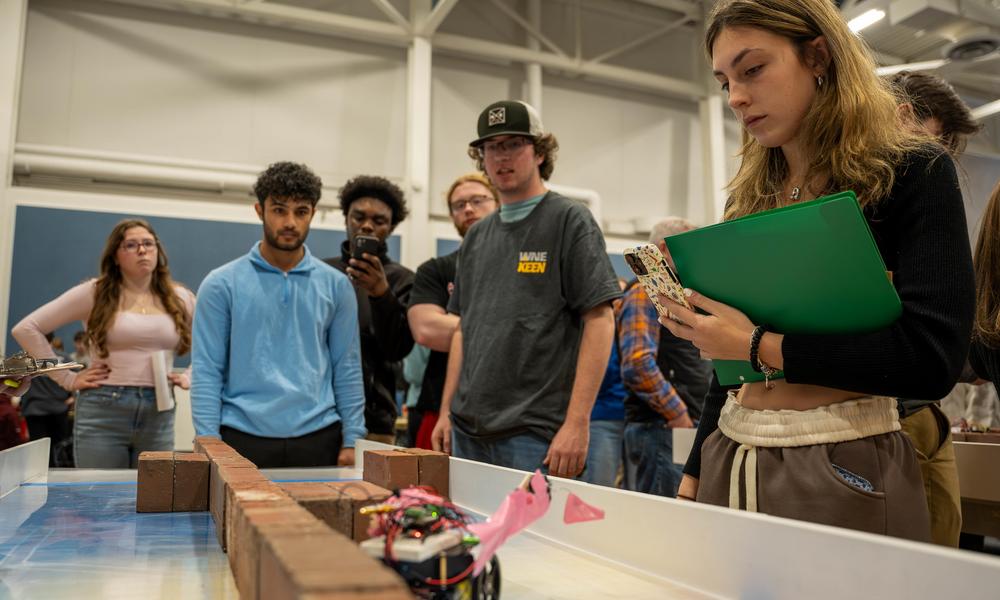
x=533 y=292
x=470 y=198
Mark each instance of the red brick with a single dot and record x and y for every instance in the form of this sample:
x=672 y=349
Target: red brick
x=246 y=493
x=155 y=482
x=274 y=580
x=325 y=503
x=432 y=469
x=293 y=566
x=202 y=441
x=222 y=470
x=354 y=496
x=250 y=522
x=390 y=469
x=191 y=477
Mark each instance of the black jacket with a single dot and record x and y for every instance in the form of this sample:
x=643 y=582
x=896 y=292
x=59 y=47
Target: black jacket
x=385 y=339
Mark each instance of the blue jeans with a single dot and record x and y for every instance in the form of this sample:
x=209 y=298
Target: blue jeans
x=604 y=455
x=115 y=423
x=524 y=451
x=649 y=459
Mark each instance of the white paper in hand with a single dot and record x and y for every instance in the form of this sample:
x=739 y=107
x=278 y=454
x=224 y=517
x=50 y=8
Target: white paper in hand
x=163 y=363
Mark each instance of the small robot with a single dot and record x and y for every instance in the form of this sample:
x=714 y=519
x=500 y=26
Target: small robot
x=425 y=539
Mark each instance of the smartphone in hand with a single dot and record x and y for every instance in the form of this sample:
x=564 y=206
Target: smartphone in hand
x=656 y=277
x=363 y=244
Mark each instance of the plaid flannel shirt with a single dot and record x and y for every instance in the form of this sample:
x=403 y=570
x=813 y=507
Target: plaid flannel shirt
x=639 y=343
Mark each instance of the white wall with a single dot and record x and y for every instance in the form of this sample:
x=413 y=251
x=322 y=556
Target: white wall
x=460 y=90
x=109 y=77
x=633 y=149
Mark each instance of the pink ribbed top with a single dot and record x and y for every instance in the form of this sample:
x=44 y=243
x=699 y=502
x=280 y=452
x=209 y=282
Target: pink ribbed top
x=132 y=337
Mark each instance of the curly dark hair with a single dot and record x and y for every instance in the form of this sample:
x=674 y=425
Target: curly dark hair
x=545 y=145
x=931 y=96
x=380 y=188
x=288 y=180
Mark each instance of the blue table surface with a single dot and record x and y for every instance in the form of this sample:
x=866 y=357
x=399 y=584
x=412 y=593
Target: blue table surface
x=76 y=535
x=85 y=540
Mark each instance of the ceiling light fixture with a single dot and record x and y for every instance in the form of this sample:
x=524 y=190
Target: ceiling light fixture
x=866 y=19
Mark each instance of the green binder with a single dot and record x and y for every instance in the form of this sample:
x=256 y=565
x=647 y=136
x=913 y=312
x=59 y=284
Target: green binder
x=811 y=267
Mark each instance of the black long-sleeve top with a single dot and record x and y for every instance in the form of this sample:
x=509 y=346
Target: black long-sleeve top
x=920 y=232
x=385 y=339
x=985 y=361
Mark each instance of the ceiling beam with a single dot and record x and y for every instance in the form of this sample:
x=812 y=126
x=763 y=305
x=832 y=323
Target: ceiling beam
x=639 y=41
x=437 y=16
x=688 y=9
x=640 y=80
x=390 y=11
x=288 y=17
x=531 y=29
x=372 y=31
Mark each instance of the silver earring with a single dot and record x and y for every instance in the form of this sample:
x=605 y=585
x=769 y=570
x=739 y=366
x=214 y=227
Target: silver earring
x=819 y=81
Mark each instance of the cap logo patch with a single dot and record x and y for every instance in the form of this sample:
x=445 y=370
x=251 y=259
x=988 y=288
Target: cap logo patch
x=498 y=116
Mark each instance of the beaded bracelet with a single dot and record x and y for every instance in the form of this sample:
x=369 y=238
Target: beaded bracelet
x=755 y=337
x=755 y=363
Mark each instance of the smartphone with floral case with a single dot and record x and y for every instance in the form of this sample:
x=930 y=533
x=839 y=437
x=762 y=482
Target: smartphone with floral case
x=656 y=277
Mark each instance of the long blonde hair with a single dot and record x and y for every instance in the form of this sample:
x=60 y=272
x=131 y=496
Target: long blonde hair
x=851 y=131
x=987 y=264
x=107 y=292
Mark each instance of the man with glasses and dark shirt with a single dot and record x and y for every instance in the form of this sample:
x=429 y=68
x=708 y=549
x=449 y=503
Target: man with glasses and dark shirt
x=533 y=294
x=470 y=198
x=373 y=207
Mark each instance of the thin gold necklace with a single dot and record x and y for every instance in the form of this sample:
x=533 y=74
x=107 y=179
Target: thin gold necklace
x=141 y=303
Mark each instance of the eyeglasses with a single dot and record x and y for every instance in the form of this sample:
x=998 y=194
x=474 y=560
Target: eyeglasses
x=133 y=246
x=506 y=147
x=475 y=202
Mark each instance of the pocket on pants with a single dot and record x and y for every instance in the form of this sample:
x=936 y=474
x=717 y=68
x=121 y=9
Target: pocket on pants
x=843 y=503
x=97 y=397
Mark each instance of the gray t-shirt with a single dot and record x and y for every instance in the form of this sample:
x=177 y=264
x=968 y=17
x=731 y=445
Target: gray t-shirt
x=521 y=290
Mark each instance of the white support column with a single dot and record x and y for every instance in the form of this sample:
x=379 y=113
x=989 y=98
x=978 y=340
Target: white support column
x=533 y=70
x=417 y=243
x=13 y=21
x=710 y=110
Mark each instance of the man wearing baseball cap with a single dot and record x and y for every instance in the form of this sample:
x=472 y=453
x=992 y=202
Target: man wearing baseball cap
x=533 y=294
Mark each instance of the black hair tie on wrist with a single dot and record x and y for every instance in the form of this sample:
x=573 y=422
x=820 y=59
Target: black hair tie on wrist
x=755 y=337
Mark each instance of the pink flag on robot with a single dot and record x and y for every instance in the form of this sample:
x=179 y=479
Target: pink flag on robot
x=519 y=509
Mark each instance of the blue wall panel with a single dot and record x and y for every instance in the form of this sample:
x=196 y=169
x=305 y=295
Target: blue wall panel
x=55 y=249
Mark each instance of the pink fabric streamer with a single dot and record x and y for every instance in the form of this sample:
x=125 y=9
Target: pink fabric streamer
x=578 y=511
x=411 y=496
x=518 y=510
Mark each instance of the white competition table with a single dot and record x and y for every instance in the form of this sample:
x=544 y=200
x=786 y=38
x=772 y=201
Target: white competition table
x=75 y=533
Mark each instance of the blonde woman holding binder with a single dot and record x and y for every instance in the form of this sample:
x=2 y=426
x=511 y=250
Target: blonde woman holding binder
x=823 y=444
x=133 y=310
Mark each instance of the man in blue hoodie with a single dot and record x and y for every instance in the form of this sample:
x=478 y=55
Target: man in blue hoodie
x=276 y=354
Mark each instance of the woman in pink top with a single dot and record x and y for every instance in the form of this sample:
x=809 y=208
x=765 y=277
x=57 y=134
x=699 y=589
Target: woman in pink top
x=131 y=311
